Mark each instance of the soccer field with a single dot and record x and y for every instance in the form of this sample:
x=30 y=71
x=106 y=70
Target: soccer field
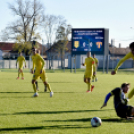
x=69 y=111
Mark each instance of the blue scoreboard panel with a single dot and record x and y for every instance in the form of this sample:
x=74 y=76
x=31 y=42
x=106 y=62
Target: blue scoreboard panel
x=84 y=40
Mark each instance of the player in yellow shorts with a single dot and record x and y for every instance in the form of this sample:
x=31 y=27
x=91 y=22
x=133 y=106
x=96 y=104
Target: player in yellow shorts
x=36 y=82
x=39 y=72
x=89 y=63
x=128 y=56
x=20 y=61
x=94 y=78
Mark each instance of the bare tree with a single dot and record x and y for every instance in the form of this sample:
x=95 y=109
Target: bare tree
x=63 y=33
x=24 y=28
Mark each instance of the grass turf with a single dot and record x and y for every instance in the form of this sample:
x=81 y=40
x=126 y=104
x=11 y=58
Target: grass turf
x=69 y=111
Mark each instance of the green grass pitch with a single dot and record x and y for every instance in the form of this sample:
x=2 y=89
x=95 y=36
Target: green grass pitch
x=69 y=111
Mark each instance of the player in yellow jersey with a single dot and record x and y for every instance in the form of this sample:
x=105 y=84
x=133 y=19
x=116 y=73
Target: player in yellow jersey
x=89 y=63
x=128 y=56
x=39 y=72
x=20 y=61
x=36 y=82
x=94 y=78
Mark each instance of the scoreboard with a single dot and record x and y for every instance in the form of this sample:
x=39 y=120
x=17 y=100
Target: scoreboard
x=90 y=39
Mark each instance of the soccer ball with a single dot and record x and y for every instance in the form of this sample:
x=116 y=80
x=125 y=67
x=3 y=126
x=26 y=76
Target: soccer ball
x=96 y=122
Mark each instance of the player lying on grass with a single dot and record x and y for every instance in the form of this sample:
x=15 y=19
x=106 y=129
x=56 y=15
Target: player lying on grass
x=89 y=63
x=128 y=56
x=94 y=78
x=120 y=102
x=20 y=61
x=39 y=72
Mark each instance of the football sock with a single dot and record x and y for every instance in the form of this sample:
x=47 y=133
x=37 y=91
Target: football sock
x=34 y=87
x=49 y=88
x=22 y=74
x=131 y=93
x=89 y=86
x=36 y=84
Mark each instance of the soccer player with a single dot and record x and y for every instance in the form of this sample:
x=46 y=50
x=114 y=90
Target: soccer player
x=89 y=63
x=95 y=69
x=20 y=61
x=120 y=102
x=128 y=56
x=45 y=89
x=39 y=72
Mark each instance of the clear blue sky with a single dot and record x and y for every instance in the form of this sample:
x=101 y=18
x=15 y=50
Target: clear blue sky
x=117 y=15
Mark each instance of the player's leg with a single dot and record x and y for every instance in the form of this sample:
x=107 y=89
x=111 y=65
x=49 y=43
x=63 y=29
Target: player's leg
x=131 y=93
x=43 y=77
x=18 y=74
x=93 y=78
x=34 y=85
x=22 y=75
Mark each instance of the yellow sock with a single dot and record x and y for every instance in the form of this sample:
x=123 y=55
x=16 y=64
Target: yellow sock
x=22 y=74
x=18 y=74
x=49 y=88
x=89 y=86
x=131 y=93
x=34 y=87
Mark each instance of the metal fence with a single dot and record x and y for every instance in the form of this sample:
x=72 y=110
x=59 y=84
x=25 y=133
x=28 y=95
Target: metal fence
x=56 y=64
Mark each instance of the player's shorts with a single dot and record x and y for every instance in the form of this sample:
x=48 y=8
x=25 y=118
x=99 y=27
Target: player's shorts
x=42 y=76
x=124 y=111
x=88 y=74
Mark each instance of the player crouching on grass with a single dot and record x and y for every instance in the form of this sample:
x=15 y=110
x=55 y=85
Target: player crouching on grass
x=39 y=63
x=20 y=61
x=120 y=102
x=89 y=63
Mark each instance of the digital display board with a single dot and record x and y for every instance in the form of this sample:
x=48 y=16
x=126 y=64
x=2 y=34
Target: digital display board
x=84 y=40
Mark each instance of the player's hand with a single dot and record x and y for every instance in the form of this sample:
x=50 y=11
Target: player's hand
x=113 y=72
x=94 y=73
x=41 y=71
x=25 y=66
x=32 y=71
x=104 y=105
x=82 y=64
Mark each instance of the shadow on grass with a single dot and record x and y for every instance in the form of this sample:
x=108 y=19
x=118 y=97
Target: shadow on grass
x=114 y=120
x=45 y=127
x=59 y=112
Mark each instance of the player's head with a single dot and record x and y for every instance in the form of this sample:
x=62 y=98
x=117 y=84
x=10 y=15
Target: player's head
x=38 y=51
x=34 y=50
x=20 y=53
x=125 y=87
x=131 y=46
x=93 y=55
x=89 y=54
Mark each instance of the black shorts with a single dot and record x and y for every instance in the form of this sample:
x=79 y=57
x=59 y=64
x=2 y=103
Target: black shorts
x=124 y=111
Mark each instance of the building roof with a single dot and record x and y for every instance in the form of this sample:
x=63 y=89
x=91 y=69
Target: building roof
x=118 y=51
x=68 y=47
x=6 y=46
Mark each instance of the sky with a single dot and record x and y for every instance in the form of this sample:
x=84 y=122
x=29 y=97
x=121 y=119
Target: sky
x=116 y=15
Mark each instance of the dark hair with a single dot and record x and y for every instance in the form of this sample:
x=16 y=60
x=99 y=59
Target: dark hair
x=131 y=45
x=124 y=85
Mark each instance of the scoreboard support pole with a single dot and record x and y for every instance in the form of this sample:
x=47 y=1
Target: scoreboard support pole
x=75 y=64
x=103 y=63
x=71 y=69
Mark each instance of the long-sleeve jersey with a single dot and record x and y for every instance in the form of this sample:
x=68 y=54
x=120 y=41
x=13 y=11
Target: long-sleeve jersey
x=128 y=56
x=21 y=60
x=38 y=62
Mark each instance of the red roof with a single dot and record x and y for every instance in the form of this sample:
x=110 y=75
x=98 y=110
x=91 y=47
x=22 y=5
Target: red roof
x=6 y=46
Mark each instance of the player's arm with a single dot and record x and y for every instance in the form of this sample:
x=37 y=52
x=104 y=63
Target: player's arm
x=16 y=62
x=32 y=70
x=106 y=99
x=84 y=64
x=43 y=63
x=120 y=63
x=25 y=62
